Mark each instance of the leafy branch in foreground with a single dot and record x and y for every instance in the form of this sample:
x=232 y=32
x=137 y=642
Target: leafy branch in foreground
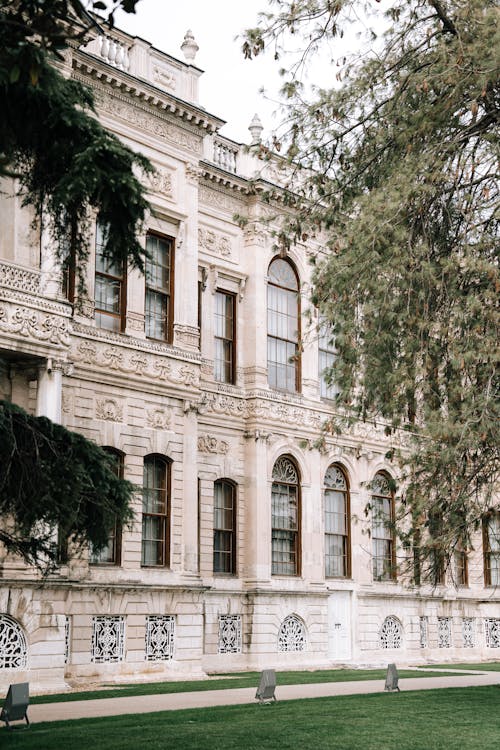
x=55 y=483
x=65 y=162
x=397 y=169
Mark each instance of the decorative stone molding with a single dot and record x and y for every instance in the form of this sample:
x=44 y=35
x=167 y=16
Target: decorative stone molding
x=214 y=242
x=254 y=236
x=187 y=336
x=86 y=308
x=31 y=324
x=209 y=444
x=150 y=122
x=193 y=173
x=160 y=181
x=109 y=410
x=158 y=419
x=16 y=277
x=133 y=362
x=219 y=200
x=257 y=435
x=135 y=322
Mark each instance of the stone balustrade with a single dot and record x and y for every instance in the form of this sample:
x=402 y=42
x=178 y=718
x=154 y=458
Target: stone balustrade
x=225 y=153
x=113 y=52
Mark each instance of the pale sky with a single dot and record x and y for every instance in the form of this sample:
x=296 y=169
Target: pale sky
x=230 y=85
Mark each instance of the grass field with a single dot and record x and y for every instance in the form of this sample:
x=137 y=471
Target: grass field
x=488 y=666
x=226 y=682
x=446 y=719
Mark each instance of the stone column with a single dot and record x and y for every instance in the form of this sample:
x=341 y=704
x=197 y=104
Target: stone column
x=49 y=391
x=257 y=511
x=190 y=519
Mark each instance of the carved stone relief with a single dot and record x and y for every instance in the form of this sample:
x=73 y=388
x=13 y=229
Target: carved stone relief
x=31 y=324
x=109 y=409
x=158 y=419
x=19 y=278
x=210 y=444
x=164 y=77
x=128 y=362
x=160 y=182
x=214 y=242
x=219 y=200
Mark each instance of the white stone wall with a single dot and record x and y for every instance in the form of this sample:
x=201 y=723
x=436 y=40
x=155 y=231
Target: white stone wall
x=143 y=397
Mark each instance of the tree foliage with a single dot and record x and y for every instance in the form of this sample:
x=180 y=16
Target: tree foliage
x=397 y=166
x=66 y=163
x=55 y=483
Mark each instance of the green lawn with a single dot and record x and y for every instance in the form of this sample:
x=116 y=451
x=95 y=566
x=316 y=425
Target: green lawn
x=225 y=682
x=444 y=719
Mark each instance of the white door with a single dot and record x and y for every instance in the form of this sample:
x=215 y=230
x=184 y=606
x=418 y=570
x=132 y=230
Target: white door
x=339 y=625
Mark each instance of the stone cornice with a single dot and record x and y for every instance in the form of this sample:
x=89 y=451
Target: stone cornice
x=89 y=66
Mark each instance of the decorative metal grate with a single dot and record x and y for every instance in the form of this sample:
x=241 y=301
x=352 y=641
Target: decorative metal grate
x=108 y=638
x=285 y=471
x=391 y=633
x=13 y=647
x=468 y=634
x=292 y=635
x=492 y=632
x=67 y=639
x=229 y=634
x=160 y=630
x=424 y=631
x=444 y=632
x=335 y=479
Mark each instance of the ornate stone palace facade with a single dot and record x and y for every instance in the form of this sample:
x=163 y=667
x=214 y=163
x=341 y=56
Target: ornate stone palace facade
x=250 y=548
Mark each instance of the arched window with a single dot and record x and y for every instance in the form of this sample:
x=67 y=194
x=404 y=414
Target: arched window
x=111 y=553
x=383 y=543
x=391 y=633
x=156 y=511
x=491 y=547
x=292 y=634
x=224 y=527
x=285 y=504
x=283 y=327
x=337 y=524
x=13 y=648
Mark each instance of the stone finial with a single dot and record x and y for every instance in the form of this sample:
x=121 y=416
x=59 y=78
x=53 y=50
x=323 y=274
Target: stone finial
x=189 y=46
x=256 y=129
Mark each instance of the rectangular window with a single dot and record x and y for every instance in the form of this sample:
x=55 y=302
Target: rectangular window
x=158 y=303
x=224 y=325
x=224 y=527
x=336 y=537
x=491 y=543
x=326 y=358
x=155 y=512
x=111 y=553
x=382 y=539
x=109 y=290
x=461 y=567
x=285 y=536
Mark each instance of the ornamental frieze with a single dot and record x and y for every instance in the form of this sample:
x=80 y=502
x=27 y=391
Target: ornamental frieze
x=210 y=444
x=219 y=200
x=131 y=362
x=32 y=324
x=146 y=121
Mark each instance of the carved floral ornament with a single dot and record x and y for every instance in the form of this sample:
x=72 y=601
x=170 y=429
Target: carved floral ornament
x=19 y=278
x=158 y=419
x=285 y=471
x=160 y=181
x=335 y=479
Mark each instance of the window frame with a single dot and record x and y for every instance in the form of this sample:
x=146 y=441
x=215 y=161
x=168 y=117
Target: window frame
x=231 y=341
x=229 y=532
x=104 y=275
x=329 y=350
x=488 y=552
x=164 y=517
x=295 y=532
x=388 y=539
x=162 y=291
x=297 y=364
x=346 y=537
x=116 y=536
